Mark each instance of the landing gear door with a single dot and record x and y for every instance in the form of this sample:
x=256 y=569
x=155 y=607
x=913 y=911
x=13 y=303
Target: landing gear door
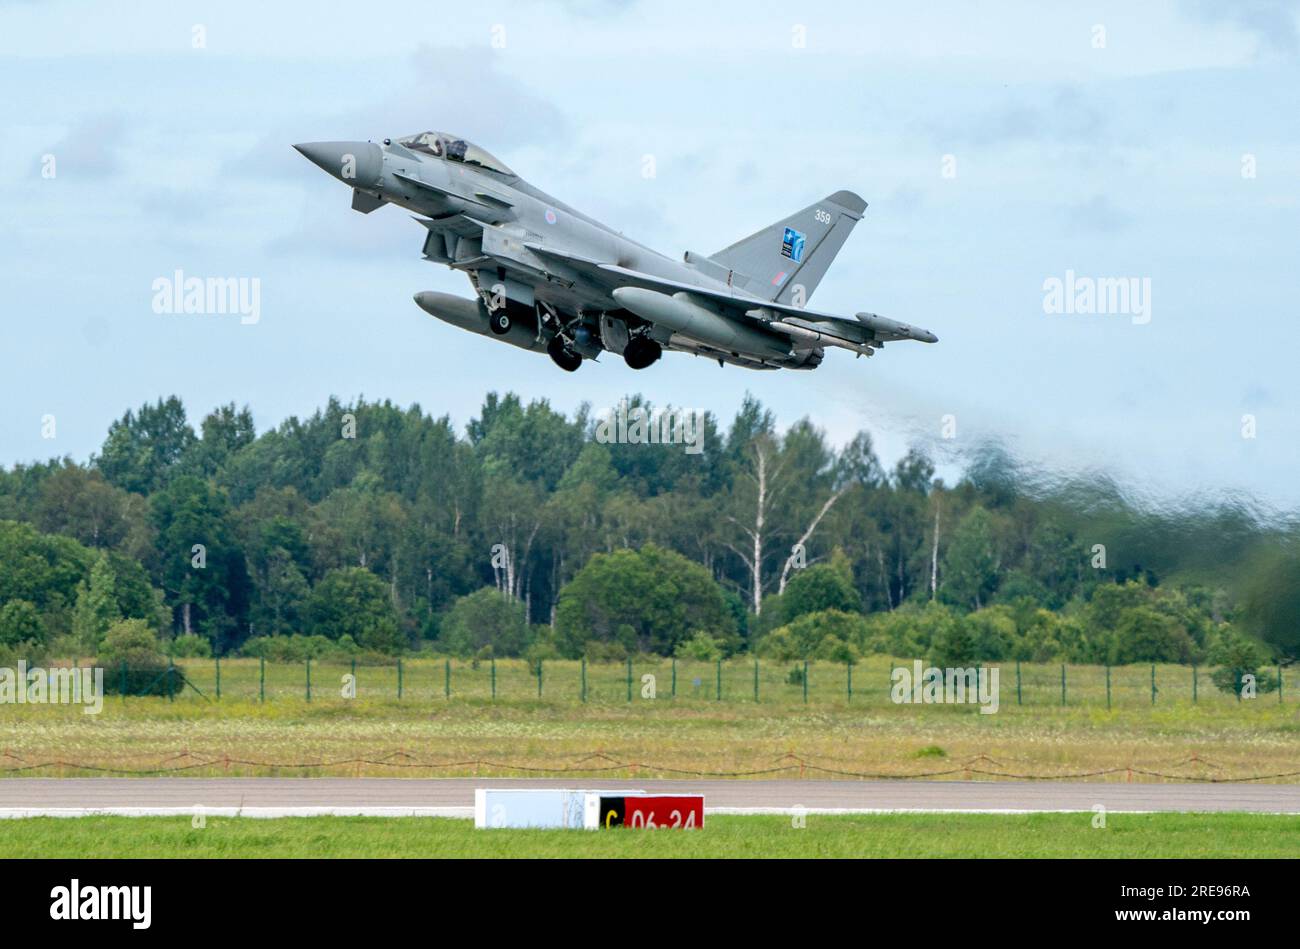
x=613 y=333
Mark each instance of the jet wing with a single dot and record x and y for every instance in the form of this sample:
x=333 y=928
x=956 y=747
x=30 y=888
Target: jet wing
x=862 y=329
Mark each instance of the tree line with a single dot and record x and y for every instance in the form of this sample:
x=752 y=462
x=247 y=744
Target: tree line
x=371 y=527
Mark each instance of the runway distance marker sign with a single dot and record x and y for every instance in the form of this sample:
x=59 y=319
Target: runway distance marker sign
x=645 y=811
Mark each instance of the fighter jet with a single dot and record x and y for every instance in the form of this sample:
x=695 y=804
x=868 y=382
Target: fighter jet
x=551 y=279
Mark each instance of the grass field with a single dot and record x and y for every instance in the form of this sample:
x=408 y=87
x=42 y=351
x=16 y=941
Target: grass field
x=649 y=739
x=833 y=734
x=901 y=835
x=430 y=680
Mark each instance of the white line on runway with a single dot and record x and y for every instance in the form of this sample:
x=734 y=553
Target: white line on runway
x=466 y=813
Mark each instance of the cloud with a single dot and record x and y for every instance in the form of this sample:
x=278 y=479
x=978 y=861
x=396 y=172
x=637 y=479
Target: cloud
x=1100 y=215
x=89 y=149
x=448 y=89
x=1067 y=117
x=1271 y=22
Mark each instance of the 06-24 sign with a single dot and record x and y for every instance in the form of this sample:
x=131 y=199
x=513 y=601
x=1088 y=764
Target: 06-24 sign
x=649 y=811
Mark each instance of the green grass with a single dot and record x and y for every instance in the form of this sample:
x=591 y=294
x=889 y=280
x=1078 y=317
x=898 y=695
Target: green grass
x=893 y=835
x=426 y=734
x=425 y=680
x=647 y=738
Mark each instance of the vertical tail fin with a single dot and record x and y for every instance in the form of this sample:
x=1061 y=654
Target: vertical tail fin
x=793 y=253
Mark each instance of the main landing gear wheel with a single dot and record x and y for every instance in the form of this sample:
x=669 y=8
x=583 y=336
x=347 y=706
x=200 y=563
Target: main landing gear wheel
x=562 y=355
x=499 y=321
x=641 y=352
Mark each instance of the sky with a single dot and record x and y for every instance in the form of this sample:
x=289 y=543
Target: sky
x=999 y=146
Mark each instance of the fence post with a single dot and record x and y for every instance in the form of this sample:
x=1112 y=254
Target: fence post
x=261 y=679
x=584 y=679
x=218 y=661
x=674 y=695
x=494 y=678
x=1193 y=683
x=805 y=682
x=718 y=693
x=1153 y=683
x=399 y=679
x=755 y=680
x=123 y=679
x=309 y=678
x=1108 y=686
x=629 y=678
x=848 y=668
x=446 y=684
x=1063 y=683
x=354 y=675
x=1279 y=683
x=1018 y=702
x=171 y=671
x=539 y=678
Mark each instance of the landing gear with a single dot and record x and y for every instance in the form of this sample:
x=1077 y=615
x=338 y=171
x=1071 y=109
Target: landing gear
x=499 y=321
x=562 y=354
x=641 y=352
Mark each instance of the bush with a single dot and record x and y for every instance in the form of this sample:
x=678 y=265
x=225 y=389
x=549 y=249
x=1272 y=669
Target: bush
x=20 y=622
x=822 y=635
x=645 y=600
x=1237 y=657
x=297 y=648
x=701 y=647
x=133 y=661
x=352 y=601
x=189 y=646
x=485 y=619
x=826 y=586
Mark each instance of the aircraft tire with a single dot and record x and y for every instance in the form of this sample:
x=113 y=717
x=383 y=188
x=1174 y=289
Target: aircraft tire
x=562 y=355
x=641 y=352
x=499 y=321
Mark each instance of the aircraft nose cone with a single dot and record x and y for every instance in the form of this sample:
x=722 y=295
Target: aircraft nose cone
x=356 y=163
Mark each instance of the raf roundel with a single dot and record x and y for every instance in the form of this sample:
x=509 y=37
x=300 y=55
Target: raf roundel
x=550 y=216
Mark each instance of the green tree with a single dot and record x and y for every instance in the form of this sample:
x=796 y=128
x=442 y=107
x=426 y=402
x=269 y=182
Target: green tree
x=1238 y=658
x=485 y=618
x=199 y=562
x=96 y=609
x=649 y=600
x=79 y=503
x=825 y=586
x=970 y=566
x=20 y=622
x=352 y=601
x=131 y=655
x=827 y=634
x=1145 y=635
x=144 y=447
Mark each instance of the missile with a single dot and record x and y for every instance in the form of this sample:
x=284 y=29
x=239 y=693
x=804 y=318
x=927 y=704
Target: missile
x=803 y=334
x=882 y=326
x=682 y=314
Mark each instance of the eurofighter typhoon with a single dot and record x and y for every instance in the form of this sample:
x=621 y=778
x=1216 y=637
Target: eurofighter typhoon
x=549 y=278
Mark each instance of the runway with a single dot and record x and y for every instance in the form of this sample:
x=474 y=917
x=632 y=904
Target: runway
x=454 y=797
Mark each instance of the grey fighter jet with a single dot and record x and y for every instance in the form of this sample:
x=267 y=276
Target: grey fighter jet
x=549 y=278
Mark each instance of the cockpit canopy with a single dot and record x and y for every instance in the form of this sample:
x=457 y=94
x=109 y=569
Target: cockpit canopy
x=442 y=145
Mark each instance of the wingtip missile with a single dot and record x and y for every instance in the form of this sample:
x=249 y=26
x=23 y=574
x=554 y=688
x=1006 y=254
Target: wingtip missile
x=883 y=326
